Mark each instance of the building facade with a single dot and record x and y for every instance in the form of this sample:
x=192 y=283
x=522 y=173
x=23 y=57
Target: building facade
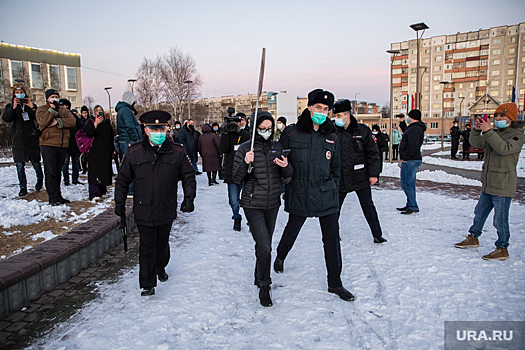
x=458 y=73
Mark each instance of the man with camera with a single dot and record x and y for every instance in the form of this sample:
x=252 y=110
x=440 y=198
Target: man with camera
x=24 y=132
x=232 y=136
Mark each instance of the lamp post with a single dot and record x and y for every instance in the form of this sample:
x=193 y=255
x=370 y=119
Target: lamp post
x=443 y=113
x=188 y=96
x=107 y=88
x=460 y=103
x=417 y=27
x=394 y=53
x=132 y=83
x=355 y=104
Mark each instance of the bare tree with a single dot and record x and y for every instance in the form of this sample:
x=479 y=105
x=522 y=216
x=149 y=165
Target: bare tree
x=88 y=101
x=149 y=83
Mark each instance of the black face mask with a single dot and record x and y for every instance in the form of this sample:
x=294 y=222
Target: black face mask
x=192 y=127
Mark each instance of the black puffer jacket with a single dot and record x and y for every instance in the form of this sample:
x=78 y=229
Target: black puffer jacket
x=155 y=176
x=190 y=139
x=316 y=160
x=410 y=146
x=229 y=143
x=24 y=134
x=359 y=156
x=262 y=186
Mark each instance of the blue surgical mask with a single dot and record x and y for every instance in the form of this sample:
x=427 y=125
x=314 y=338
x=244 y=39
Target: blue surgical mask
x=501 y=124
x=319 y=118
x=242 y=127
x=339 y=122
x=177 y=127
x=157 y=138
x=408 y=121
x=20 y=96
x=215 y=129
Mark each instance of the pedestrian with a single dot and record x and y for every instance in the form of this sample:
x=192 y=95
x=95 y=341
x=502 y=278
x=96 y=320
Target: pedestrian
x=410 y=155
x=360 y=164
x=175 y=131
x=21 y=113
x=396 y=139
x=189 y=137
x=382 y=144
x=72 y=152
x=54 y=123
x=313 y=190
x=84 y=116
x=100 y=159
x=215 y=127
x=261 y=194
x=233 y=135
x=498 y=176
x=455 y=134
x=281 y=124
x=466 y=143
x=209 y=149
x=402 y=123
x=155 y=165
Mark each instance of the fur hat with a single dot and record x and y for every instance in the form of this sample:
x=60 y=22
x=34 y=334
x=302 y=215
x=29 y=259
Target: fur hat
x=51 y=92
x=321 y=96
x=128 y=97
x=508 y=109
x=342 y=106
x=415 y=114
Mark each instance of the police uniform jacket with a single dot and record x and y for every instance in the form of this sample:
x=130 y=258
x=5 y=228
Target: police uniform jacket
x=359 y=156
x=316 y=161
x=155 y=175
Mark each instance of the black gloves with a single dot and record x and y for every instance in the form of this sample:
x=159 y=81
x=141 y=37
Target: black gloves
x=120 y=210
x=187 y=206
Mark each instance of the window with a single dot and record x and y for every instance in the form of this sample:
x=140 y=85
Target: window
x=510 y=71
x=437 y=68
x=71 y=78
x=413 y=80
x=513 y=40
x=438 y=58
x=437 y=77
x=496 y=52
x=436 y=106
x=523 y=80
x=494 y=83
x=17 y=71
x=384 y=126
x=437 y=87
x=427 y=50
x=396 y=80
x=470 y=94
x=72 y=99
x=394 y=71
x=427 y=60
x=483 y=52
x=511 y=61
x=54 y=77
x=495 y=93
x=512 y=50
x=437 y=49
x=495 y=62
x=36 y=76
x=496 y=41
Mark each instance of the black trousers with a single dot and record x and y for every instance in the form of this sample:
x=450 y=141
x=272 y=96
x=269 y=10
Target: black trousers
x=154 y=252
x=331 y=244
x=368 y=208
x=84 y=162
x=395 y=151
x=262 y=225
x=454 y=148
x=53 y=158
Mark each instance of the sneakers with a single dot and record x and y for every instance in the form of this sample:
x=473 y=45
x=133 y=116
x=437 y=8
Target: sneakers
x=342 y=293
x=409 y=211
x=23 y=192
x=278 y=265
x=147 y=292
x=469 y=242
x=264 y=296
x=498 y=254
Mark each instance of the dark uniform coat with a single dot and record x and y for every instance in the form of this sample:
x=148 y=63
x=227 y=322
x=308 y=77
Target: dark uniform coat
x=209 y=149
x=100 y=156
x=189 y=138
x=229 y=143
x=316 y=160
x=155 y=175
x=24 y=134
x=359 y=156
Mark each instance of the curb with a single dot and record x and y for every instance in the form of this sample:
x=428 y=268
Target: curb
x=26 y=276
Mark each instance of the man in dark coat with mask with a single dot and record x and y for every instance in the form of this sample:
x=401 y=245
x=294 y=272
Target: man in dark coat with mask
x=189 y=137
x=313 y=190
x=155 y=165
x=455 y=134
x=360 y=164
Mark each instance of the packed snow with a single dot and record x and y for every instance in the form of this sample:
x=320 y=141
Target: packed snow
x=405 y=288
x=394 y=170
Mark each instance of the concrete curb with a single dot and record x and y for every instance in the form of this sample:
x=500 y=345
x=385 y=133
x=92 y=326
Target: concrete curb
x=26 y=276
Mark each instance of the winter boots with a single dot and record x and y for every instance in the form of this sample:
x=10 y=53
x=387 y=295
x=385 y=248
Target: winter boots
x=379 y=240
x=469 y=242
x=278 y=265
x=498 y=254
x=342 y=293
x=163 y=276
x=264 y=296
x=147 y=292
x=39 y=184
x=237 y=224
x=23 y=192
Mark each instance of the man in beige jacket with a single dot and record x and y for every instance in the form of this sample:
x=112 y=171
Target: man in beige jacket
x=54 y=122
x=498 y=177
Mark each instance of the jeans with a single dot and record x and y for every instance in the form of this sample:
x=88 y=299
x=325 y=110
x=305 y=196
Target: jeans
x=123 y=151
x=75 y=163
x=368 y=208
x=234 y=196
x=21 y=172
x=262 y=225
x=53 y=160
x=408 y=182
x=194 y=162
x=501 y=207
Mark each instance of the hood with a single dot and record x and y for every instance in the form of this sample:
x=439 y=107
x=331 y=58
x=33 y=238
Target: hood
x=418 y=124
x=128 y=97
x=121 y=105
x=305 y=124
x=206 y=128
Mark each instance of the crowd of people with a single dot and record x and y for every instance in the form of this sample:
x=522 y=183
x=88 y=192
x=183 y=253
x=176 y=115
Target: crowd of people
x=313 y=164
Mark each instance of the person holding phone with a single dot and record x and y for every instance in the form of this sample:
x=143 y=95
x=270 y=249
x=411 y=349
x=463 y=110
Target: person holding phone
x=100 y=156
x=261 y=173
x=21 y=114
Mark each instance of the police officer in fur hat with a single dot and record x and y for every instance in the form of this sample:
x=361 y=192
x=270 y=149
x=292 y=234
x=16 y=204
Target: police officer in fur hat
x=155 y=166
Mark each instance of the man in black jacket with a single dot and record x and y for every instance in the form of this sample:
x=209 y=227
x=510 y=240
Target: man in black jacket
x=313 y=190
x=410 y=155
x=155 y=166
x=466 y=142
x=359 y=164
x=455 y=134
x=189 y=137
x=72 y=151
x=232 y=137
x=402 y=122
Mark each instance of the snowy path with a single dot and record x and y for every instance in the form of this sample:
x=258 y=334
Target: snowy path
x=405 y=288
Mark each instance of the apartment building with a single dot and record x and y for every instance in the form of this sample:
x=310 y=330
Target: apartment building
x=461 y=75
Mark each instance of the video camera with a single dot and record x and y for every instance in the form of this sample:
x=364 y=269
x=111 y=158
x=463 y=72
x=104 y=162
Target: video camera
x=230 y=121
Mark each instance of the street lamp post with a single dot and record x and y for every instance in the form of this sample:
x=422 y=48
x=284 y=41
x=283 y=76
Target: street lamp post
x=132 y=83
x=394 y=53
x=107 y=88
x=443 y=113
x=417 y=27
x=355 y=104
x=188 y=96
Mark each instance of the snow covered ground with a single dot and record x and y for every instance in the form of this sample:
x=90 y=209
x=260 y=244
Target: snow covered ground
x=405 y=288
x=394 y=170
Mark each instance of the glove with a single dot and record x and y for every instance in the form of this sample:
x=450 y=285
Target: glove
x=120 y=210
x=187 y=206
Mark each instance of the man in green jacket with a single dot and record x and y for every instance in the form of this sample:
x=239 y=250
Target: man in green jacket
x=498 y=177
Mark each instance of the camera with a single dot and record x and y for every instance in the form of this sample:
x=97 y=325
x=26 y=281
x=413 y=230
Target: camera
x=230 y=121
x=23 y=101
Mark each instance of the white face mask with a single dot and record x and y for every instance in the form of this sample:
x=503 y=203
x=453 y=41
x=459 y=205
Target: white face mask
x=280 y=126
x=265 y=134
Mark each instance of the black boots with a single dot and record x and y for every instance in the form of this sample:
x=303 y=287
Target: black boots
x=147 y=292
x=214 y=178
x=278 y=265
x=39 y=184
x=23 y=192
x=237 y=224
x=379 y=240
x=342 y=293
x=163 y=276
x=264 y=296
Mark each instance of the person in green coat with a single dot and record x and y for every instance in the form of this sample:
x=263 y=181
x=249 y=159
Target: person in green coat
x=498 y=177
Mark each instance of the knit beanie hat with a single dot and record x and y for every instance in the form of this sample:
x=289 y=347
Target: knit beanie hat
x=282 y=120
x=51 y=92
x=509 y=109
x=415 y=114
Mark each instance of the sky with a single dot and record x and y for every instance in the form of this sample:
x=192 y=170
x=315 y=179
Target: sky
x=336 y=45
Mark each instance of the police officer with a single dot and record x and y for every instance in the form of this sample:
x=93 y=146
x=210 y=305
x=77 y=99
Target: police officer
x=360 y=164
x=313 y=190
x=155 y=165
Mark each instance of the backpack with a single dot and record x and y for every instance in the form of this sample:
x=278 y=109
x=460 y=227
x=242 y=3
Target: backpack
x=83 y=142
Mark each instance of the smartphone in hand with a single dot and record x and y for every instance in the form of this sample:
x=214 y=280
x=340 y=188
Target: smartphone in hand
x=485 y=117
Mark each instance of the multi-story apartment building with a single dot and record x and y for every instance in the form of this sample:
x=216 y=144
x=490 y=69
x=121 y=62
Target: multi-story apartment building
x=39 y=70
x=462 y=74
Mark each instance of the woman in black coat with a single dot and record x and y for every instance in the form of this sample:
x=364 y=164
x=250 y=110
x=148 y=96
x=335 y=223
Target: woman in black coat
x=261 y=194
x=209 y=150
x=20 y=113
x=100 y=171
